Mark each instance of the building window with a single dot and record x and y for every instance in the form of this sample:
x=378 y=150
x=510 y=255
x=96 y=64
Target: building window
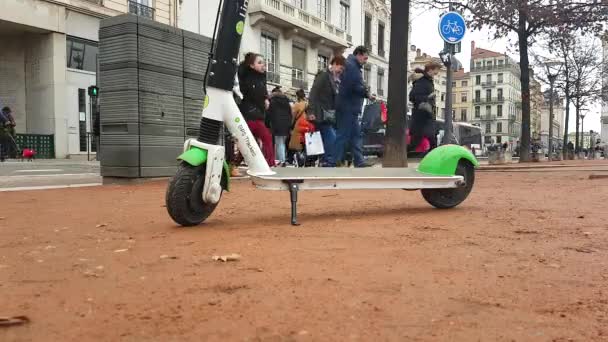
x=499 y=139
x=367 y=39
x=465 y=83
x=322 y=62
x=478 y=65
x=81 y=54
x=323 y=7
x=298 y=3
x=499 y=111
x=478 y=80
x=478 y=112
x=344 y=16
x=464 y=97
x=500 y=78
x=487 y=140
x=442 y=97
x=489 y=78
x=453 y=84
x=477 y=95
x=500 y=62
x=463 y=115
x=269 y=51
x=489 y=95
x=380 y=82
x=82 y=121
x=488 y=128
x=142 y=8
x=381 y=39
x=488 y=110
x=500 y=95
x=367 y=71
x=499 y=127
x=298 y=72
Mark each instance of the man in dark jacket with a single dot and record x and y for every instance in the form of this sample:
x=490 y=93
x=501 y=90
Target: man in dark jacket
x=349 y=104
x=422 y=96
x=279 y=116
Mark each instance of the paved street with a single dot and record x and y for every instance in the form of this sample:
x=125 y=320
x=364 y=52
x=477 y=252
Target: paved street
x=524 y=259
x=17 y=175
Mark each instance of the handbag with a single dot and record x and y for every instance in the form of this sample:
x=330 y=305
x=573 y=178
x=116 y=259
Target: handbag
x=329 y=116
x=314 y=144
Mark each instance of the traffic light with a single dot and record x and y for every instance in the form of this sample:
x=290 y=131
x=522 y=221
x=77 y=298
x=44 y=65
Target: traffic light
x=93 y=91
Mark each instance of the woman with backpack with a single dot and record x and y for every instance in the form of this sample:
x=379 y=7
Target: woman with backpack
x=323 y=106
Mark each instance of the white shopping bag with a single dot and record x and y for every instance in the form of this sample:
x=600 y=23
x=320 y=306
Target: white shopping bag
x=314 y=144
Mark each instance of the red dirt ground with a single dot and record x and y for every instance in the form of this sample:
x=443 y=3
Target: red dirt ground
x=524 y=259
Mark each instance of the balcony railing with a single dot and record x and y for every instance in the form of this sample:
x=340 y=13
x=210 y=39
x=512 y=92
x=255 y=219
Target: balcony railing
x=141 y=10
x=286 y=12
x=489 y=100
x=380 y=92
x=489 y=84
x=381 y=53
x=98 y=2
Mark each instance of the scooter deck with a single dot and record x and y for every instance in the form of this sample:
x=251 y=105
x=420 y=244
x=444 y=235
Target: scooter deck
x=353 y=178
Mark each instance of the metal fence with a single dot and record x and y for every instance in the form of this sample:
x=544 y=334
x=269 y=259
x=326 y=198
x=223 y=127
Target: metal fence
x=43 y=144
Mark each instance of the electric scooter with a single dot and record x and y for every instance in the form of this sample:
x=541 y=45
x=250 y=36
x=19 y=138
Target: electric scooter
x=445 y=176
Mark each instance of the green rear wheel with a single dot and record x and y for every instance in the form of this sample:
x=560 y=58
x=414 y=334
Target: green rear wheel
x=450 y=198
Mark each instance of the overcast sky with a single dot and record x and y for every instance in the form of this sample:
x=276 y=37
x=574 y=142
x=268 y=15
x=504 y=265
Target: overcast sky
x=426 y=37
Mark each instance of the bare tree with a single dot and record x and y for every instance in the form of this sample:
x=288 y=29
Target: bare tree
x=529 y=19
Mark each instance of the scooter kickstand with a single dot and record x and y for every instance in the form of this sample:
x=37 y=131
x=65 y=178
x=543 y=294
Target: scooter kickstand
x=293 y=192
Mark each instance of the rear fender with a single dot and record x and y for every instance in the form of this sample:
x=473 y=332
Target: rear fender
x=443 y=160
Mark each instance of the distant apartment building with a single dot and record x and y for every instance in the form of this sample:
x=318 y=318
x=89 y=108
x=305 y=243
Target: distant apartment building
x=461 y=96
x=299 y=37
x=48 y=59
x=376 y=37
x=496 y=91
x=559 y=111
x=537 y=102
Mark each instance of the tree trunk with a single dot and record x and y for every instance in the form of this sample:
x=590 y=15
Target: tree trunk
x=395 y=148
x=524 y=149
x=567 y=118
x=578 y=119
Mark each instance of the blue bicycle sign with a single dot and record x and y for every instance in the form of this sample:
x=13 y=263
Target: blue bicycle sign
x=452 y=27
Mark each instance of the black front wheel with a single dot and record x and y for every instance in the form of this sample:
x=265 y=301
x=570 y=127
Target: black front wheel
x=184 y=198
x=449 y=198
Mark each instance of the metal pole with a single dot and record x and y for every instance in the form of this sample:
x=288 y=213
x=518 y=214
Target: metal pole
x=551 y=82
x=395 y=153
x=448 y=129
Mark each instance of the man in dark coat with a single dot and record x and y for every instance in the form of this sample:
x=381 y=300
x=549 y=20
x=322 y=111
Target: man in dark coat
x=279 y=116
x=422 y=96
x=349 y=104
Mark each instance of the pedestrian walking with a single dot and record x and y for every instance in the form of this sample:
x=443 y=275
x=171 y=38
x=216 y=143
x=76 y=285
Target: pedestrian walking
x=323 y=105
x=252 y=82
x=422 y=96
x=349 y=104
x=7 y=133
x=280 y=117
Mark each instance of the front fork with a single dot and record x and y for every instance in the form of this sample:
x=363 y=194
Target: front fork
x=220 y=109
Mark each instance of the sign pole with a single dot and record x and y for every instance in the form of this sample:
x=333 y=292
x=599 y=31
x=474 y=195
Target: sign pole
x=452 y=28
x=448 y=131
